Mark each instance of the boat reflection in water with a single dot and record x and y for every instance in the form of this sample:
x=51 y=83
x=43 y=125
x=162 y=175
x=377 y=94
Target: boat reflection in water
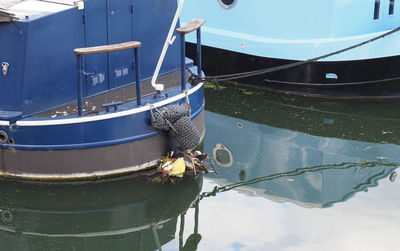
x=313 y=153
x=128 y=214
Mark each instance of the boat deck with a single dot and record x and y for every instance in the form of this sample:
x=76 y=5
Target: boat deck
x=93 y=105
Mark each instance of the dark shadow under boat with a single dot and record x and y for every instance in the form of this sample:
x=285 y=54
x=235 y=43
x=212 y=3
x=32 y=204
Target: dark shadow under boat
x=129 y=213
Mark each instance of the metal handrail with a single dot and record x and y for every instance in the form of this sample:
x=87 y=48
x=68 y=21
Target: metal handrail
x=101 y=49
x=169 y=41
x=194 y=25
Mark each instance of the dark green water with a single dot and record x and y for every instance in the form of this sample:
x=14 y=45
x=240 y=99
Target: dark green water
x=294 y=174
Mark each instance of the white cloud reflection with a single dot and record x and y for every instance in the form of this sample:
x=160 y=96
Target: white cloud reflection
x=236 y=221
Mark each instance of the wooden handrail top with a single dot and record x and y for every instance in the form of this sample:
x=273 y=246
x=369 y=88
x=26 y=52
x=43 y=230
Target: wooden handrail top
x=192 y=26
x=107 y=48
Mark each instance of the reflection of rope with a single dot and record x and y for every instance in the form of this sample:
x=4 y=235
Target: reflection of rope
x=296 y=172
x=181 y=231
x=156 y=238
x=194 y=239
x=370 y=179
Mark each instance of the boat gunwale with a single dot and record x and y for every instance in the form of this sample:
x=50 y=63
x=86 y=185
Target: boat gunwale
x=4 y=123
x=88 y=145
x=78 y=120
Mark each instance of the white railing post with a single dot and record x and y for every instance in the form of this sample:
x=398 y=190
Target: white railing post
x=169 y=41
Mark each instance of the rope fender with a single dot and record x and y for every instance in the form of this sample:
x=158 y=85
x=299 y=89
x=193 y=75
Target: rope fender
x=175 y=119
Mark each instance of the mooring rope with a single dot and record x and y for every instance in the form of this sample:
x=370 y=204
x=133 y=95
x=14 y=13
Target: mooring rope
x=381 y=81
x=234 y=76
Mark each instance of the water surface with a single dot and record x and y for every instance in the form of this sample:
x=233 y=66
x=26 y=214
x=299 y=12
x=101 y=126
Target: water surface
x=293 y=174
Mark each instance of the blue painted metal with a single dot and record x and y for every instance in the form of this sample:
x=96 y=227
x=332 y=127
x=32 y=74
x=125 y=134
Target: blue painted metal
x=120 y=29
x=79 y=92
x=96 y=20
x=95 y=134
x=12 y=83
x=183 y=53
x=111 y=142
x=113 y=104
x=199 y=69
x=80 y=88
x=42 y=70
x=152 y=33
x=9 y=115
x=297 y=30
x=137 y=73
x=183 y=57
x=45 y=73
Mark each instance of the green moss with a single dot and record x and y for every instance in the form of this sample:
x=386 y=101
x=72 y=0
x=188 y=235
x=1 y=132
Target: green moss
x=209 y=85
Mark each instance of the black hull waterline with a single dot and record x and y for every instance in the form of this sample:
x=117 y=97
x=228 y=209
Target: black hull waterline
x=359 y=79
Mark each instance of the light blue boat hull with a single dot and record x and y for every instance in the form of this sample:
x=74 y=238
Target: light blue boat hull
x=256 y=34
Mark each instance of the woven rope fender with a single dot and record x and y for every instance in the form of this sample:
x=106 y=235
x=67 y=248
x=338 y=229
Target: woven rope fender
x=170 y=113
x=176 y=120
x=185 y=133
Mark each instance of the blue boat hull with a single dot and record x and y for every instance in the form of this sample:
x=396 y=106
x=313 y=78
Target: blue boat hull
x=108 y=144
x=79 y=82
x=107 y=152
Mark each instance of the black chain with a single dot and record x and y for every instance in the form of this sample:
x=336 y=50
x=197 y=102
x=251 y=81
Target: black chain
x=299 y=171
x=234 y=76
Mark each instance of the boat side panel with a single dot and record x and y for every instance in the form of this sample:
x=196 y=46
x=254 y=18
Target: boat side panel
x=50 y=64
x=120 y=29
x=43 y=67
x=12 y=51
x=84 y=163
x=95 y=35
x=152 y=20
